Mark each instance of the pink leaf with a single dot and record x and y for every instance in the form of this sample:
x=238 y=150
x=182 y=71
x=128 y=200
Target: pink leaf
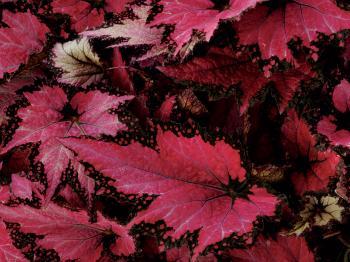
x=189 y=175
x=69 y=233
x=51 y=116
x=25 y=36
x=272 y=29
x=200 y=15
x=21 y=187
x=8 y=252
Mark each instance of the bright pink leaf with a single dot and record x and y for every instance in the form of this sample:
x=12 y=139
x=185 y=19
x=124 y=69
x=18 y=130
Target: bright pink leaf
x=68 y=232
x=50 y=116
x=200 y=15
x=286 y=249
x=25 y=36
x=313 y=168
x=272 y=29
x=82 y=15
x=189 y=175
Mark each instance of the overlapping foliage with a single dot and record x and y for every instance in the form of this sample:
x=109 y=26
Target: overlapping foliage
x=174 y=130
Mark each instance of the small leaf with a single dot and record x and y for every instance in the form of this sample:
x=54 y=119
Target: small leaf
x=80 y=65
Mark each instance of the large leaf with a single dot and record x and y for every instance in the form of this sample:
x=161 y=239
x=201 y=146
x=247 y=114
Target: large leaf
x=69 y=233
x=25 y=36
x=273 y=28
x=191 y=178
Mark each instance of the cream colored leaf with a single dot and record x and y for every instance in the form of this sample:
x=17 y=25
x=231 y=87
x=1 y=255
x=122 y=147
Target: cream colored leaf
x=134 y=32
x=318 y=212
x=80 y=65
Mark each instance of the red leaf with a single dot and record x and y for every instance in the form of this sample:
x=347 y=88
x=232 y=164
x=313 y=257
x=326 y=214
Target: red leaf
x=329 y=129
x=313 y=168
x=119 y=74
x=45 y=120
x=8 y=93
x=116 y=6
x=21 y=187
x=224 y=67
x=286 y=249
x=272 y=29
x=69 y=233
x=341 y=96
x=189 y=175
x=164 y=112
x=87 y=114
x=327 y=126
x=8 y=252
x=183 y=254
x=25 y=36
x=200 y=15
x=5 y=194
x=82 y=15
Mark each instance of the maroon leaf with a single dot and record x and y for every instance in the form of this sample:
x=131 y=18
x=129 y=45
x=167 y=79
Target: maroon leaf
x=313 y=167
x=226 y=68
x=287 y=249
x=82 y=15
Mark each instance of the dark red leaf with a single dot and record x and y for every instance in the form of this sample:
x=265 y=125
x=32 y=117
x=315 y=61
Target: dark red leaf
x=82 y=15
x=313 y=167
x=286 y=249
